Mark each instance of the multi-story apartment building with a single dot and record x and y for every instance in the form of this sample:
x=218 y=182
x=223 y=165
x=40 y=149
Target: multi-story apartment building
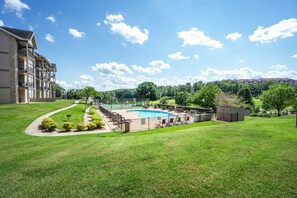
x=24 y=74
x=291 y=82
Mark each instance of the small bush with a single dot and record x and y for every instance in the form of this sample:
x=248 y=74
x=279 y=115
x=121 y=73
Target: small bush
x=254 y=114
x=92 y=111
x=96 y=117
x=45 y=121
x=99 y=123
x=67 y=126
x=51 y=126
x=81 y=126
x=91 y=126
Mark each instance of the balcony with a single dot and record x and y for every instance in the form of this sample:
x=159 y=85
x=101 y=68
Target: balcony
x=23 y=52
x=22 y=84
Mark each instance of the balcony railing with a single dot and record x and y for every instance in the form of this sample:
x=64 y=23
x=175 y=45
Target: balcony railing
x=22 y=51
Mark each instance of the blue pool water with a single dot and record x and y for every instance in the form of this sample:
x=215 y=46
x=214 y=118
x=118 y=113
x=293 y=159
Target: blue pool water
x=151 y=113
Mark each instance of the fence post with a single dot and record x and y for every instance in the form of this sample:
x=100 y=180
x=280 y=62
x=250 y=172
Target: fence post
x=148 y=123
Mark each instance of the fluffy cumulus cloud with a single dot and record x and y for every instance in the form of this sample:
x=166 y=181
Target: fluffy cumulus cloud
x=121 y=83
x=197 y=37
x=114 y=18
x=84 y=80
x=234 y=36
x=159 y=64
x=64 y=84
x=196 y=56
x=178 y=56
x=147 y=70
x=213 y=74
x=279 y=67
x=50 y=38
x=283 y=29
x=1 y=23
x=294 y=56
x=51 y=18
x=75 y=33
x=16 y=6
x=112 y=69
x=132 y=34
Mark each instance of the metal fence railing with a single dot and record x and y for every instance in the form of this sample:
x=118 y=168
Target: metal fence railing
x=126 y=124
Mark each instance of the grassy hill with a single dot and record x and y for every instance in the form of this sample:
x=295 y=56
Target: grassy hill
x=255 y=158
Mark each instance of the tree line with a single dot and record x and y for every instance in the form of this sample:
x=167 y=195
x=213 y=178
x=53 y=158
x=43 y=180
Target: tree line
x=209 y=95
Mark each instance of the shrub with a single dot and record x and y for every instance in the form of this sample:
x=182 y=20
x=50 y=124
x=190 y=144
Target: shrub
x=67 y=126
x=92 y=111
x=81 y=126
x=45 y=121
x=96 y=117
x=254 y=114
x=99 y=123
x=51 y=126
x=91 y=126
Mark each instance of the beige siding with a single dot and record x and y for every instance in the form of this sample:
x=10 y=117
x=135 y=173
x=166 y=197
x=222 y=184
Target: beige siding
x=4 y=96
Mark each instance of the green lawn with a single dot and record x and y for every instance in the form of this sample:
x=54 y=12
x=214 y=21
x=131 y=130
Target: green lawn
x=254 y=158
x=77 y=115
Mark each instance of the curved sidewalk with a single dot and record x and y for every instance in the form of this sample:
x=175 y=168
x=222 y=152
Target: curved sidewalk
x=34 y=130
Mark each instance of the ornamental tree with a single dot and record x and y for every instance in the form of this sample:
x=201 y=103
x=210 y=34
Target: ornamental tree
x=278 y=96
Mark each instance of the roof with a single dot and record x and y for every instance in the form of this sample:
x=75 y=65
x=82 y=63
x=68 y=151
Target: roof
x=22 y=35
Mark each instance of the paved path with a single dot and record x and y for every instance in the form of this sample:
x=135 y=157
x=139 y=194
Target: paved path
x=33 y=128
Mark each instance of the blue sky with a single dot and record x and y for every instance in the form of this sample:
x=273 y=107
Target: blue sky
x=119 y=44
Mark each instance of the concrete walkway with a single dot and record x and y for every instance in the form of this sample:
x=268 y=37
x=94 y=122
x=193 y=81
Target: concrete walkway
x=34 y=128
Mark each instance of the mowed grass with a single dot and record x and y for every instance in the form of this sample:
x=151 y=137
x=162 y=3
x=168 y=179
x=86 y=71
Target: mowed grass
x=77 y=115
x=254 y=158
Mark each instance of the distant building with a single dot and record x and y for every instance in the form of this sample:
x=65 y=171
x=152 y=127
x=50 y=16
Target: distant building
x=24 y=74
x=291 y=82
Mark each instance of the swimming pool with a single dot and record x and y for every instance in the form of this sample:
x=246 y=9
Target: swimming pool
x=151 y=113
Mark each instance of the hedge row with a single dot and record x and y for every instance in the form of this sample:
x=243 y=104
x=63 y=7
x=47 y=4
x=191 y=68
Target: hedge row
x=97 y=123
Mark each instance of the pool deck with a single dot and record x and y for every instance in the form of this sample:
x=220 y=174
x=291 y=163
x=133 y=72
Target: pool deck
x=126 y=113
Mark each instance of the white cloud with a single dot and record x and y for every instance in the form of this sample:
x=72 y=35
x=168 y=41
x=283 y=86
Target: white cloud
x=51 y=18
x=50 y=38
x=284 y=29
x=98 y=24
x=196 y=56
x=31 y=28
x=147 y=70
x=112 y=69
x=16 y=6
x=121 y=83
x=178 y=56
x=196 y=37
x=294 y=56
x=159 y=64
x=64 y=84
x=279 y=67
x=241 y=61
x=76 y=34
x=234 y=36
x=114 y=18
x=1 y=23
x=131 y=34
x=84 y=80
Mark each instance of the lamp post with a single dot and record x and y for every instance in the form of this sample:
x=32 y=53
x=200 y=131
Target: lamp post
x=68 y=116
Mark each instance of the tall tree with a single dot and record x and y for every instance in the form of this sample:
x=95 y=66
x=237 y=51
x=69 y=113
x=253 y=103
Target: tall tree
x=245 y=95
x=148 y=90
x=183 y=98
x=278 y=96
x=88 y=92
x=206 y=97
x=58 y=90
